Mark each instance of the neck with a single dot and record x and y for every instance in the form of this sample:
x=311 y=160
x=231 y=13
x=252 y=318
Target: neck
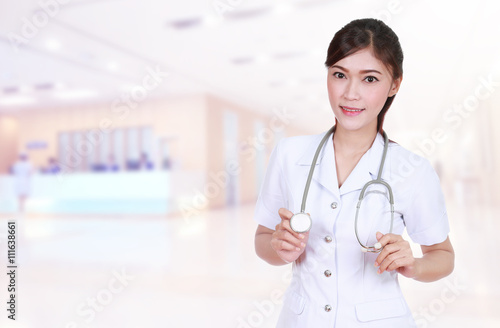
x=353 y=142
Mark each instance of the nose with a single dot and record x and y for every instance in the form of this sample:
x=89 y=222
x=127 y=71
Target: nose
x=352 y=91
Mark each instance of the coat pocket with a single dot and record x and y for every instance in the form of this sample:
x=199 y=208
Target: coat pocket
x=295 y=302
x=381 y=309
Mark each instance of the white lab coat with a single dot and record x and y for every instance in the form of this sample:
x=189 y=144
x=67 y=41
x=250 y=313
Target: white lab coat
x=334 y=284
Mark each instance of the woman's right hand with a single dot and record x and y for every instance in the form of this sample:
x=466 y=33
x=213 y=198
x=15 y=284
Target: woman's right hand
x=288 y=244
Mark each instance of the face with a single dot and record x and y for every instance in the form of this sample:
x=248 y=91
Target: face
x=358 y=87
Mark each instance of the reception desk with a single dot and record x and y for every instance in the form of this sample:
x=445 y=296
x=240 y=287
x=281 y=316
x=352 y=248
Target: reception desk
x=149 y=192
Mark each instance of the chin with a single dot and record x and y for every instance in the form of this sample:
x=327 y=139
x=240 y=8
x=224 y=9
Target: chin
x=354 y=126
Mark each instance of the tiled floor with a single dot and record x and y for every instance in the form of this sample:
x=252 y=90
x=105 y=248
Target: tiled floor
x=142 y=272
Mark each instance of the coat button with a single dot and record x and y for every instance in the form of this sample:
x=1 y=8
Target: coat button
x=334 y=205
x=328 y=239
x=328 y=273
x=328 y=308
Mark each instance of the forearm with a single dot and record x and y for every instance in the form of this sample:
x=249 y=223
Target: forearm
x=434 y=265
x=265 y=251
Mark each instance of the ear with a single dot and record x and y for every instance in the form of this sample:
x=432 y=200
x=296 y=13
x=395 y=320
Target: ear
x=395 y=86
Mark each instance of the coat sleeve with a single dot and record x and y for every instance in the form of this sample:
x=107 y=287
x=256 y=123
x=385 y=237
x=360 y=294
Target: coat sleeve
x=272 y=195
x=426 y=217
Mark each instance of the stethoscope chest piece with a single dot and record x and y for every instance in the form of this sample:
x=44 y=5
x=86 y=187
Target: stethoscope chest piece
x=300 y=222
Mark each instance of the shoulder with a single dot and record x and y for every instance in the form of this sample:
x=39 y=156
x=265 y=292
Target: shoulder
x=407 y=166
x=293 y=148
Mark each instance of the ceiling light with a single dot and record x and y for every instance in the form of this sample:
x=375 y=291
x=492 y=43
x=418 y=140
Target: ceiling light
x=112 y=66
x=43 y=86
x=186 y=23
x=238 y=13
x=288 y=55
x=11 y=90
x=53 y=45
x=242 y=60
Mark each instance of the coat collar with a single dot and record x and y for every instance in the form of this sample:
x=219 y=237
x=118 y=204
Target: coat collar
x=325 y=172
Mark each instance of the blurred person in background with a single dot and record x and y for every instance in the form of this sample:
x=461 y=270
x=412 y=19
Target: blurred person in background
x=53 y=167
x=144 y=163
x=22 y=171
x=167 y=163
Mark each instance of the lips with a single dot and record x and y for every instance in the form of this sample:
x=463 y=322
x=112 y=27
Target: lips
x=351 y=111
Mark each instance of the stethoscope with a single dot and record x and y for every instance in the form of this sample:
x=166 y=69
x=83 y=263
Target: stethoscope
x=301 y=222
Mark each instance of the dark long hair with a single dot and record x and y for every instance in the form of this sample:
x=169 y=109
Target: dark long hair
x=363 y=33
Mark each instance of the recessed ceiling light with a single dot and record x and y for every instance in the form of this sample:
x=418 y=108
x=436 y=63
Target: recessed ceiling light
x=53 y=45
x=238 y=13
x=312 y=3
x=242 y=60
x=11 y=90
x=288 y=55
x=112 y=66
x=185 y=23
x=43 y=86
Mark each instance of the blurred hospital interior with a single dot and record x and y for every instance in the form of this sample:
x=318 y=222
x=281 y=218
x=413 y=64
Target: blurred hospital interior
x=135 y=135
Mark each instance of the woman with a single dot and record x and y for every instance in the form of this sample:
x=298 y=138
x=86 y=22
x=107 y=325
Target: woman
x=22 y=171
x=334 y=284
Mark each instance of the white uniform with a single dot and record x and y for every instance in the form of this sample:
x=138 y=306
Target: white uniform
x=334 y=284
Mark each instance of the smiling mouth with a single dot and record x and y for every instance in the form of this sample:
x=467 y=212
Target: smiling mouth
x=352 y=109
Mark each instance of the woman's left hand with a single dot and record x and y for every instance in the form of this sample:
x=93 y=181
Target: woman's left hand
x=395 y=255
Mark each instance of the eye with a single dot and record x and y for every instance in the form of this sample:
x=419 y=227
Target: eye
x=371 y=79
x=339 y=75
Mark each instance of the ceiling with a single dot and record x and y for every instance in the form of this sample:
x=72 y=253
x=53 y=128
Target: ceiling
x=260 y=54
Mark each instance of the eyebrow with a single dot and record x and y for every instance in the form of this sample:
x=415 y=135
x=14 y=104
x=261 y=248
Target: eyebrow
x=364 y=71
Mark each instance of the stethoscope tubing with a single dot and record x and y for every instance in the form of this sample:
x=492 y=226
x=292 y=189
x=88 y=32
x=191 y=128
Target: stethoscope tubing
x=313 y=165
x=374 y=249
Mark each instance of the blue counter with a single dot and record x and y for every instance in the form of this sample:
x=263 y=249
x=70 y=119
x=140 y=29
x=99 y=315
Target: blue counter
x=97 y=193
